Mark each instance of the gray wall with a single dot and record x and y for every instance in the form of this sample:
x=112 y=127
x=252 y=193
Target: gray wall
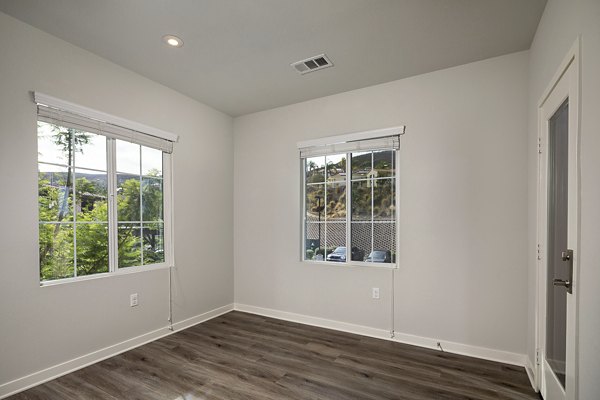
x=463 y=225
x=463 y=230
x=562 y=22
x=44 y=326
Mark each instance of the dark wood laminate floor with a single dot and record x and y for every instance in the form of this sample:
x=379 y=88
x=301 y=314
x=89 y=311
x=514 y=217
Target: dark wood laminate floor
x=245 y=356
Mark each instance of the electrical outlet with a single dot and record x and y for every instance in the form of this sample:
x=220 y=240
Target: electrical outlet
x=133 y=300
x=375 y=292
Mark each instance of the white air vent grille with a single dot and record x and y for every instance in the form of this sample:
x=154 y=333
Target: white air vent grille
x=312 y=64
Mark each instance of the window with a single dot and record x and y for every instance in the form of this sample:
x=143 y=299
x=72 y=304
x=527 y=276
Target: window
x=350 y=196
x=103 y=197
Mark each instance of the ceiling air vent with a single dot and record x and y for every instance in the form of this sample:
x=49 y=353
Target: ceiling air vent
x=312 y=64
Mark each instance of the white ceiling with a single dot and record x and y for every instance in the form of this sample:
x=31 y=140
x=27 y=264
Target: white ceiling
x=237 y=53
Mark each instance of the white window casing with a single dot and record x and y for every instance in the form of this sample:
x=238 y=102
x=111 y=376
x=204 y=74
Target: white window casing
x=382 y=139
x=66 y=114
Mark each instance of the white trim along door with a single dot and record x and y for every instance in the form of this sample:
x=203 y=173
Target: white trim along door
x=558 y=233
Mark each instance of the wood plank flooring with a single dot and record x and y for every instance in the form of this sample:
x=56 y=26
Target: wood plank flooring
x=245 y=356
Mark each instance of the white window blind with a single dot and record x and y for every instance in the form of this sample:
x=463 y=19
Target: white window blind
x=59 y=112
x=364 y=141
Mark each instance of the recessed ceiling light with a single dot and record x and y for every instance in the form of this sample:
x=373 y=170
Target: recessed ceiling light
x=173 y=41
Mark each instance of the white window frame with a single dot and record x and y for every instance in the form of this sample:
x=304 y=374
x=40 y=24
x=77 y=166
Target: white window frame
x=342 y=142
x=111 y=171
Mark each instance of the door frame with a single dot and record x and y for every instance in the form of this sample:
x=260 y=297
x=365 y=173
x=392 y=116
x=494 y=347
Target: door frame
x=571 y=60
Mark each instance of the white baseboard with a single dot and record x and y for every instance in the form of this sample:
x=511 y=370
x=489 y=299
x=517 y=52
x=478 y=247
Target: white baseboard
x=315 y=321
x=36 y=378
x=451 y=347
x=531 y=373
x=195 y=320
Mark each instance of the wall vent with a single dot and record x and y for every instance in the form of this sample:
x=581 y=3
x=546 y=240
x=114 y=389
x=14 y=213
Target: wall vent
x=312 y=64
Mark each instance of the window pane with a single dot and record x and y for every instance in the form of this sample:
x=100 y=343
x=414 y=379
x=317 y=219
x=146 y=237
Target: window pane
x=91 y=194
x=152 y=199
x=384 y=239
x=54 y=144
x=336 y=241
x=361 y=200
x=55 y=193
x=336 y=168
x=383 y=163
x=128 y=197
x=128 y=157
x=154 y=239
x=361 y=165
x=336 y=202
x=152 y=163
x=361 y=239
x=92 y=248
x=56 y=251
x=315 y=169
x=315 y=202
x=373 y=210
x=314 y=233
x=91 y=151
x=130 y=245
x=383 y=199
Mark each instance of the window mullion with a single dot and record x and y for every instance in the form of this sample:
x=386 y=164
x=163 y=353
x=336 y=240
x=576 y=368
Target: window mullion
x=325 y=175
x=141 y=211
x=372 y=203
x=396 y=202
x=303 y=212
x=74 y=205
x=348 y=207
x=113 y=244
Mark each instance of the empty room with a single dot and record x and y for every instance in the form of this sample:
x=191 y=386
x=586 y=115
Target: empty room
x=300 y=199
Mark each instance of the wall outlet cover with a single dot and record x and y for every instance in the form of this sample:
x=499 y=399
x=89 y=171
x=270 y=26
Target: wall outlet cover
x=375 y=293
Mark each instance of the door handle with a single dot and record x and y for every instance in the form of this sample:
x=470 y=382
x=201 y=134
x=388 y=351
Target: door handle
x=562 y=282
x=567 y=256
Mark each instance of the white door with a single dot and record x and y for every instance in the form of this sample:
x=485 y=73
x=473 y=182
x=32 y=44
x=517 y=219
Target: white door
x=558 y=236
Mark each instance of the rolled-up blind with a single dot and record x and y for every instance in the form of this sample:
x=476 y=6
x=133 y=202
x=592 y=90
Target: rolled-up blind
x=96 y=122
x=381 y=139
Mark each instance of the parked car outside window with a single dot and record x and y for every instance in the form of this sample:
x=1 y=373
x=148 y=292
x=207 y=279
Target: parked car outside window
x=338 y=255
x=379 y=256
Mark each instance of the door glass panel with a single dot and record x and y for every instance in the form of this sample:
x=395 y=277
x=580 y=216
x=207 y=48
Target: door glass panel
x=556 y=304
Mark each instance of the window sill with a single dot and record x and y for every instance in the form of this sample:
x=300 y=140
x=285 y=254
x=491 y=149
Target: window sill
x=353 y=264
x=119 y=272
